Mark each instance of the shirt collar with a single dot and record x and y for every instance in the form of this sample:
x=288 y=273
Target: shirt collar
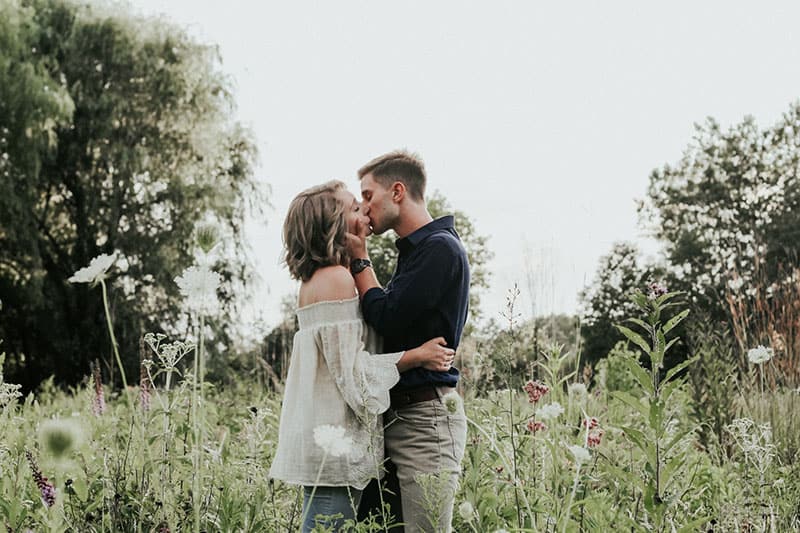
x=410 y=241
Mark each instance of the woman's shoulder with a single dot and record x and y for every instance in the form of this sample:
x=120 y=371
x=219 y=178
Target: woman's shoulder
x=333 y=283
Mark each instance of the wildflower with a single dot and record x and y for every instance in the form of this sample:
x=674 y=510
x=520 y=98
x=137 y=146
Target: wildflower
x=759 y=355
x=655 y=289
x=595 y=437
x=535 y=390
x=590 y=422
x=199 y=286
x=580 y=453
x=99 y=400
x=535 y=425
x=145 y=386
x=332 y=440
x=466 y=511
x=452 y=402
x=59 y=436
x=550 y=411
x=207 y=236
x=96 y=271
x=47 y=489
x=577 y=389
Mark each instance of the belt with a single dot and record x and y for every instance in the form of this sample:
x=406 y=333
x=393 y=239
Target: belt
x=403 y=398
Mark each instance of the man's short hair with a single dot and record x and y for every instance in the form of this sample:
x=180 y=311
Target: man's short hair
x=399 y=165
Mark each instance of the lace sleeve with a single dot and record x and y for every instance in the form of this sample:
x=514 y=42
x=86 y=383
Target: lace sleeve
x=362 y=378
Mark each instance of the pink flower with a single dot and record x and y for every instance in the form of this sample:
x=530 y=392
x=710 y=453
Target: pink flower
x=47 y=489
x=535 y=390
x=144 y=388
x=536 y=425
x=99 y=401
x=655 y=289
x=591 y=422
x=595 y=437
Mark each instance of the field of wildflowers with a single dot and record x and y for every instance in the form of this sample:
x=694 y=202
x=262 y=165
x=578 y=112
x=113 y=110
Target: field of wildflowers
x=628 y=447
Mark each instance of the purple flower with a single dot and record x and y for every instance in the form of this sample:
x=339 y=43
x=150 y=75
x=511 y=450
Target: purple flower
x=99 y=401
x=655 y=289
x=46 y=488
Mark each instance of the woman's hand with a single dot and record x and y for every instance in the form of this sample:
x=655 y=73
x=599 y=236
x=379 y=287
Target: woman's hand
x=434 y=355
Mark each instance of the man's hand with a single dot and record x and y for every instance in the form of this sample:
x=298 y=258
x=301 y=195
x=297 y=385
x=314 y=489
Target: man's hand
x=357 y=242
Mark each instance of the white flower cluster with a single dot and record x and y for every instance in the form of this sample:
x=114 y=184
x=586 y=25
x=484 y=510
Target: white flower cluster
x=332 y=440
x=96 y=271
x=550 y=411
x=759 y=355
x=198 y=285
x=580 y=453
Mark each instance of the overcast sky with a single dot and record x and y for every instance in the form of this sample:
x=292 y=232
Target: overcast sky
x=541 y=120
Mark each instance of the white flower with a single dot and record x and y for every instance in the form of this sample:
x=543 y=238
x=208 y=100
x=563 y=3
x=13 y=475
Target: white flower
x=581 y=454
x=452 y=402
x=199 y=286
x=550 y=411
x=577 y=389
x=96 y=270
x=333 y=440
x=466 y=511
x=501 y=530
x=759 y=355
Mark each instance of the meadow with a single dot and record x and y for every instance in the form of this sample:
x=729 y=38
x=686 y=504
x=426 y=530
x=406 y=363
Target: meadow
x=632 y=446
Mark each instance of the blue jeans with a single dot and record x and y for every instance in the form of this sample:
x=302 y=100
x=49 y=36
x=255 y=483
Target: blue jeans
x=341 y=502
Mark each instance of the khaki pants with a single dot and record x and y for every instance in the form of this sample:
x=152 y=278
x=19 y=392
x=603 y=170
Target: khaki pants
x=426 y=443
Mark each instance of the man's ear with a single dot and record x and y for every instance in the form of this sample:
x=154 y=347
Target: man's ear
x=398 y=191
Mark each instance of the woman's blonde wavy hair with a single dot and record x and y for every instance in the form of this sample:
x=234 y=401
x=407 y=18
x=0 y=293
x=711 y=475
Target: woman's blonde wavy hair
x=314 y=231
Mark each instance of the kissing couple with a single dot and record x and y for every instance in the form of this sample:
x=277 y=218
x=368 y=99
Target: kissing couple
x=370 y=393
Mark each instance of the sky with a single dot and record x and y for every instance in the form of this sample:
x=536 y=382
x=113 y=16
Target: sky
x=542 y=121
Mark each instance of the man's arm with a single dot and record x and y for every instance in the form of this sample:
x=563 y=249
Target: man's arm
x=417 y=289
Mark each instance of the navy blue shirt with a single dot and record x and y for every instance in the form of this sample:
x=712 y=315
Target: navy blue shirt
x=427 y=297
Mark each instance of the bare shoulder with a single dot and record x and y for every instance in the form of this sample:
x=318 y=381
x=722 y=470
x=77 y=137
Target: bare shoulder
x=328 y=284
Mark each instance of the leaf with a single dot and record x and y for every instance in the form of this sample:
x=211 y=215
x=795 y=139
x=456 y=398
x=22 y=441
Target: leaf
x=674 y=321
x=635 y=338
x=640 y=374
x=640 y=440
x=677 y=368
x=694 y=525
x=670 y=343
x=627 y=398
x=656 y=416
x=641 y=323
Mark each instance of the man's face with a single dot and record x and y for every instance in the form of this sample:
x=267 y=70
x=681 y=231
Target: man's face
x=378 y=205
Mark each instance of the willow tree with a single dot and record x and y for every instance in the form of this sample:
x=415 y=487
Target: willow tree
x=117 y=136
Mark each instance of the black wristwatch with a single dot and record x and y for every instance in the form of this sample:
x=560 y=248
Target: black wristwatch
x=357 y=265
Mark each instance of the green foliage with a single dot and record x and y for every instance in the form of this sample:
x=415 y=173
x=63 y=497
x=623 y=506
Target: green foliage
x=606 y=301
x=116 y=136
x=729 y=207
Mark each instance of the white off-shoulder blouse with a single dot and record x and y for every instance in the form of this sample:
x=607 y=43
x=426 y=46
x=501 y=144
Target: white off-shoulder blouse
x=335 y=378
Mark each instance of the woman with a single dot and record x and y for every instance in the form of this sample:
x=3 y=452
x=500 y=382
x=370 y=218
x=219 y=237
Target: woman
x=335 y=376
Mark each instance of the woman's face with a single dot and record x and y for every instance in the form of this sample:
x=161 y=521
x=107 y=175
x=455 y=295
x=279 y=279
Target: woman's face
x=354 y=214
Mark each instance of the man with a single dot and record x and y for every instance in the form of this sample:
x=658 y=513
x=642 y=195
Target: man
x=427 y=297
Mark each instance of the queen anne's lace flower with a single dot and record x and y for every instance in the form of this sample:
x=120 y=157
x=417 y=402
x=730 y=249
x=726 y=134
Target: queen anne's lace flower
x=199 y=286
x=96 y=271
x=466 y=511
x=759 y=355
x=333 y=440
x=550 y=411
x=580 y=453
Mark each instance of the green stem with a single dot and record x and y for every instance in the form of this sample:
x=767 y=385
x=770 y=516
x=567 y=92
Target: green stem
x=114 y=340
x=314 y=489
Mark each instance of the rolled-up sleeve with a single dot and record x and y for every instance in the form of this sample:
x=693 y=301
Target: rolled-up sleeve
x=414 y=291
x=363 y=379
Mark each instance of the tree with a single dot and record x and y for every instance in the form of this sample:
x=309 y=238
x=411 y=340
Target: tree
x=729 y=208
x=383 y=253
x=133 y=150
x=607 y=302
